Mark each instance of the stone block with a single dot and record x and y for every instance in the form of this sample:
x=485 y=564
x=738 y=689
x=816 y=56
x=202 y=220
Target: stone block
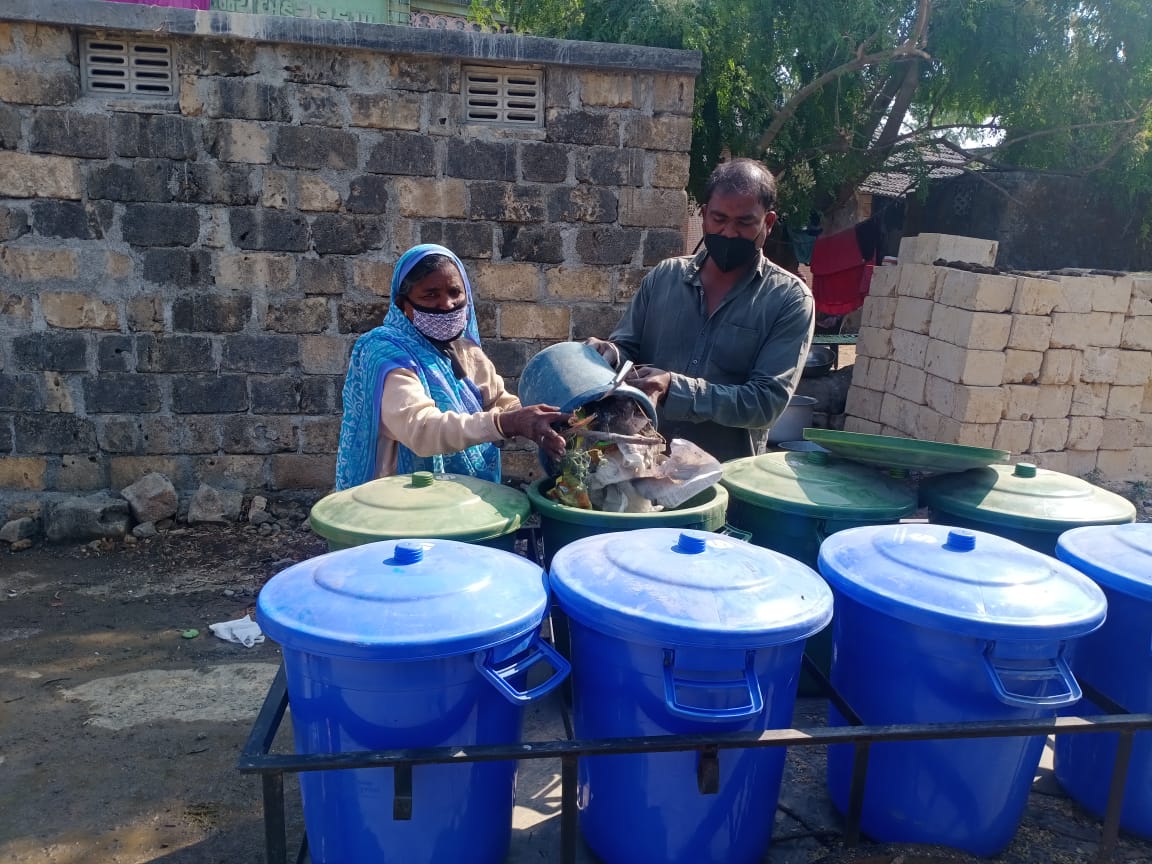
x=649 y=208
x=268 y=230
x=909 y=384
x=940 y=395
x=1020 y=401
x=360 y=317
x=927 y=424
x=610 y=166
x=661 y=243
x=1112 y=294
x=1137 y=333
x=23 y=473
x=315 y=194
x=160 y=224
x=9 y=126
x=533 y=243
x=115 y=354
x=1053 y=400
x=151 y=498
x=1022 y=367
x=78 y=520
x=25 y=175
x=316 y=147
x=1075 y=293
x=385 y=110
x=177 y=266
x=238 y=473
x=608 y=90
x=320 y=106
x=145 y=313
x=1085 y=433
x=63 y=352
x=71 y=133
x=367 y=193
x=885 y=280
x=878 y=312
x=372 y=275
x=259 y=353
x=668 y=170
x=59 y=393
x=915 y=280
x=337 y=234
x=1133 y=368
x=1124 y=402
x=1015 y=436
x=979 y=292
x=534 y=321
x=1080 y=463
x=44 y=42
x=1036 y=296
x=474 y=159
x=324 y=355
x=1143 y=430
x=859 y=424
x=75 y=311
x=544 y=163
x=1053 y=461
x=206 y=313
x=506 y=281
x=70 y=220
x=13 y=223
x=275 y=190
x=469 y=240
x=159 y=136
x=299 y=471
x=210 y=504
x=1117 y=464
x=310 y=315
x=673 y=94
x=404 y=153
x=53 y=432
x=1062 y=366
x=505 y=202
x=144 y=180
x=1141 y=303
x=121 y=393
x=210 y=394
x=1030 y=333
x=579 y=284
x=929 y=248
x=249 y=270
x=444 y=199
x=589 y=129
x=863 y=403
x=627 y=284
x=174 y=354
x=80 y=474
x=1090 y=400
x=328 y=276
x=243 y=98
x=607 y=245
x=214 y=183
x=978 y=404
x=40 y=84
x=38 y=264
x=1049 y=435
x=984 y=331
x=319 y=435
x=977 y=368
x=581 y=204
x=1116 y=433
x=245 y=433
x=874 y=342
x=408 y=73
x=1084 y=330
x=659 y=132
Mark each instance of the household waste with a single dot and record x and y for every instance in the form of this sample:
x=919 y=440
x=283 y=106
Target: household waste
x=618 y=463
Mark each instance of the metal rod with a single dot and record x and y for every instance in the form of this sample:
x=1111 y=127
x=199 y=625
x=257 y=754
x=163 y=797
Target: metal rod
x=1111 y=832
x=275 y=838
x=568 y=810
x=268 y=720
x=860 y=755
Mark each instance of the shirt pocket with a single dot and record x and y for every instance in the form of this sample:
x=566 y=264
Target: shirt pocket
x=735 y=348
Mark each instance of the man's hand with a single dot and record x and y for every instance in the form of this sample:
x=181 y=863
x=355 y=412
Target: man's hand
x=655 y=382
x=534 y=422
x=605 y=349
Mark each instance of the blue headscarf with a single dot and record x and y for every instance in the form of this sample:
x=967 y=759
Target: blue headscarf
x=397 y=344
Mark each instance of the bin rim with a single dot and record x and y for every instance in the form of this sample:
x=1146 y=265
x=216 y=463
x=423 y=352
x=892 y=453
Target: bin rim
x=1130 y=546
x=712 y=498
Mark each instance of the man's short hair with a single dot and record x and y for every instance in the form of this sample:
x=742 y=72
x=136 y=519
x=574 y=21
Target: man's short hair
x=743 y=177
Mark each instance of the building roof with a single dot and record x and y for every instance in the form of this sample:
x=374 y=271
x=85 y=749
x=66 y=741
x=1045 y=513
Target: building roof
x=905 y=169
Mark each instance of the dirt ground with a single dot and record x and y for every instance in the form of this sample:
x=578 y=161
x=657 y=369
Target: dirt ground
x=119 y=736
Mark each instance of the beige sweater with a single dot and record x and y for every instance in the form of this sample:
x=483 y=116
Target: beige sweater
x=409 y=416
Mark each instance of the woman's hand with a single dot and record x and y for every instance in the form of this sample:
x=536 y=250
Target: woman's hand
x=534 y=422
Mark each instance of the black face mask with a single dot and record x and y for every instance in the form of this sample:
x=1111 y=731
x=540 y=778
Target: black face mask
x=729 y=253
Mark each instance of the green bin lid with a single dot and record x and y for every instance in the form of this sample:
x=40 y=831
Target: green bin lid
x=420 y=505
x=1024 y=496
x=813 y=484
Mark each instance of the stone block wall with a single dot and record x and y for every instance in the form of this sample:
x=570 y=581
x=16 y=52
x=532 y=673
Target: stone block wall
x=1053 y=367
x=181 y=282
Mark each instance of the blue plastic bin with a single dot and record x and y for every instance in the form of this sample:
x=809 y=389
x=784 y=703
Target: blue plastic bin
x=680 y=632
x=1117 y=661
x=944 y=625
x=409 y=644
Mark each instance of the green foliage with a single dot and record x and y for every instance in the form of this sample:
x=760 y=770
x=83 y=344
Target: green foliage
x=1064 y=85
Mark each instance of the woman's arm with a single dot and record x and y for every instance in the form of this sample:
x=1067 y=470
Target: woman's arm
x=410 y=417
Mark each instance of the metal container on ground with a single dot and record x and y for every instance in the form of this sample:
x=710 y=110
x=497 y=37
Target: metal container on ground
x=682 y=632
x=1117 y=661
x=421 y=505
x=399 y=644
x=944 y=625
x=790 y=502
x=561 y=525
x=1030 y=505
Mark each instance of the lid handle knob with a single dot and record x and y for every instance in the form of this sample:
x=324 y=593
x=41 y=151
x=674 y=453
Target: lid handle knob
x=420 y=479
x=960 y=540
x=689 y=545
x=408 y=553
x=1024 y=469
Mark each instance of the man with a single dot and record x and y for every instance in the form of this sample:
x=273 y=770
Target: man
x=720 y=337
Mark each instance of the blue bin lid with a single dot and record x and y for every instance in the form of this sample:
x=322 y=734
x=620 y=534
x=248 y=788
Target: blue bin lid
x=691 y=588
x=1115 y=556
x=403 y=600
x=966 y=582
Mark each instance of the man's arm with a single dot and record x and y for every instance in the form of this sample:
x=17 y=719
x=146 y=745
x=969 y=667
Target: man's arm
x=774 y=376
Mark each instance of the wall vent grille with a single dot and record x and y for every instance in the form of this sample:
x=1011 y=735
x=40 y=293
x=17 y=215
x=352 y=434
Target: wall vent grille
x=127 y=68
x=504 y=97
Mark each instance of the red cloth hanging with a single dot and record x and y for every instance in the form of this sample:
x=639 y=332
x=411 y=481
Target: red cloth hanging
x=840 y=275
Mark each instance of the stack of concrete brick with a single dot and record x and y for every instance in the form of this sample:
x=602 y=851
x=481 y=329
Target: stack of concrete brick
x=1050 y=366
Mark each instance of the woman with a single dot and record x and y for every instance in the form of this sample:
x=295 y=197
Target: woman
x=420 y=393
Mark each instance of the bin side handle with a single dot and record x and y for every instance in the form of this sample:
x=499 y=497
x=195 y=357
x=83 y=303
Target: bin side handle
x=1057 y=671
x=540 y=651
x=729 y=530
x=748 y=682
